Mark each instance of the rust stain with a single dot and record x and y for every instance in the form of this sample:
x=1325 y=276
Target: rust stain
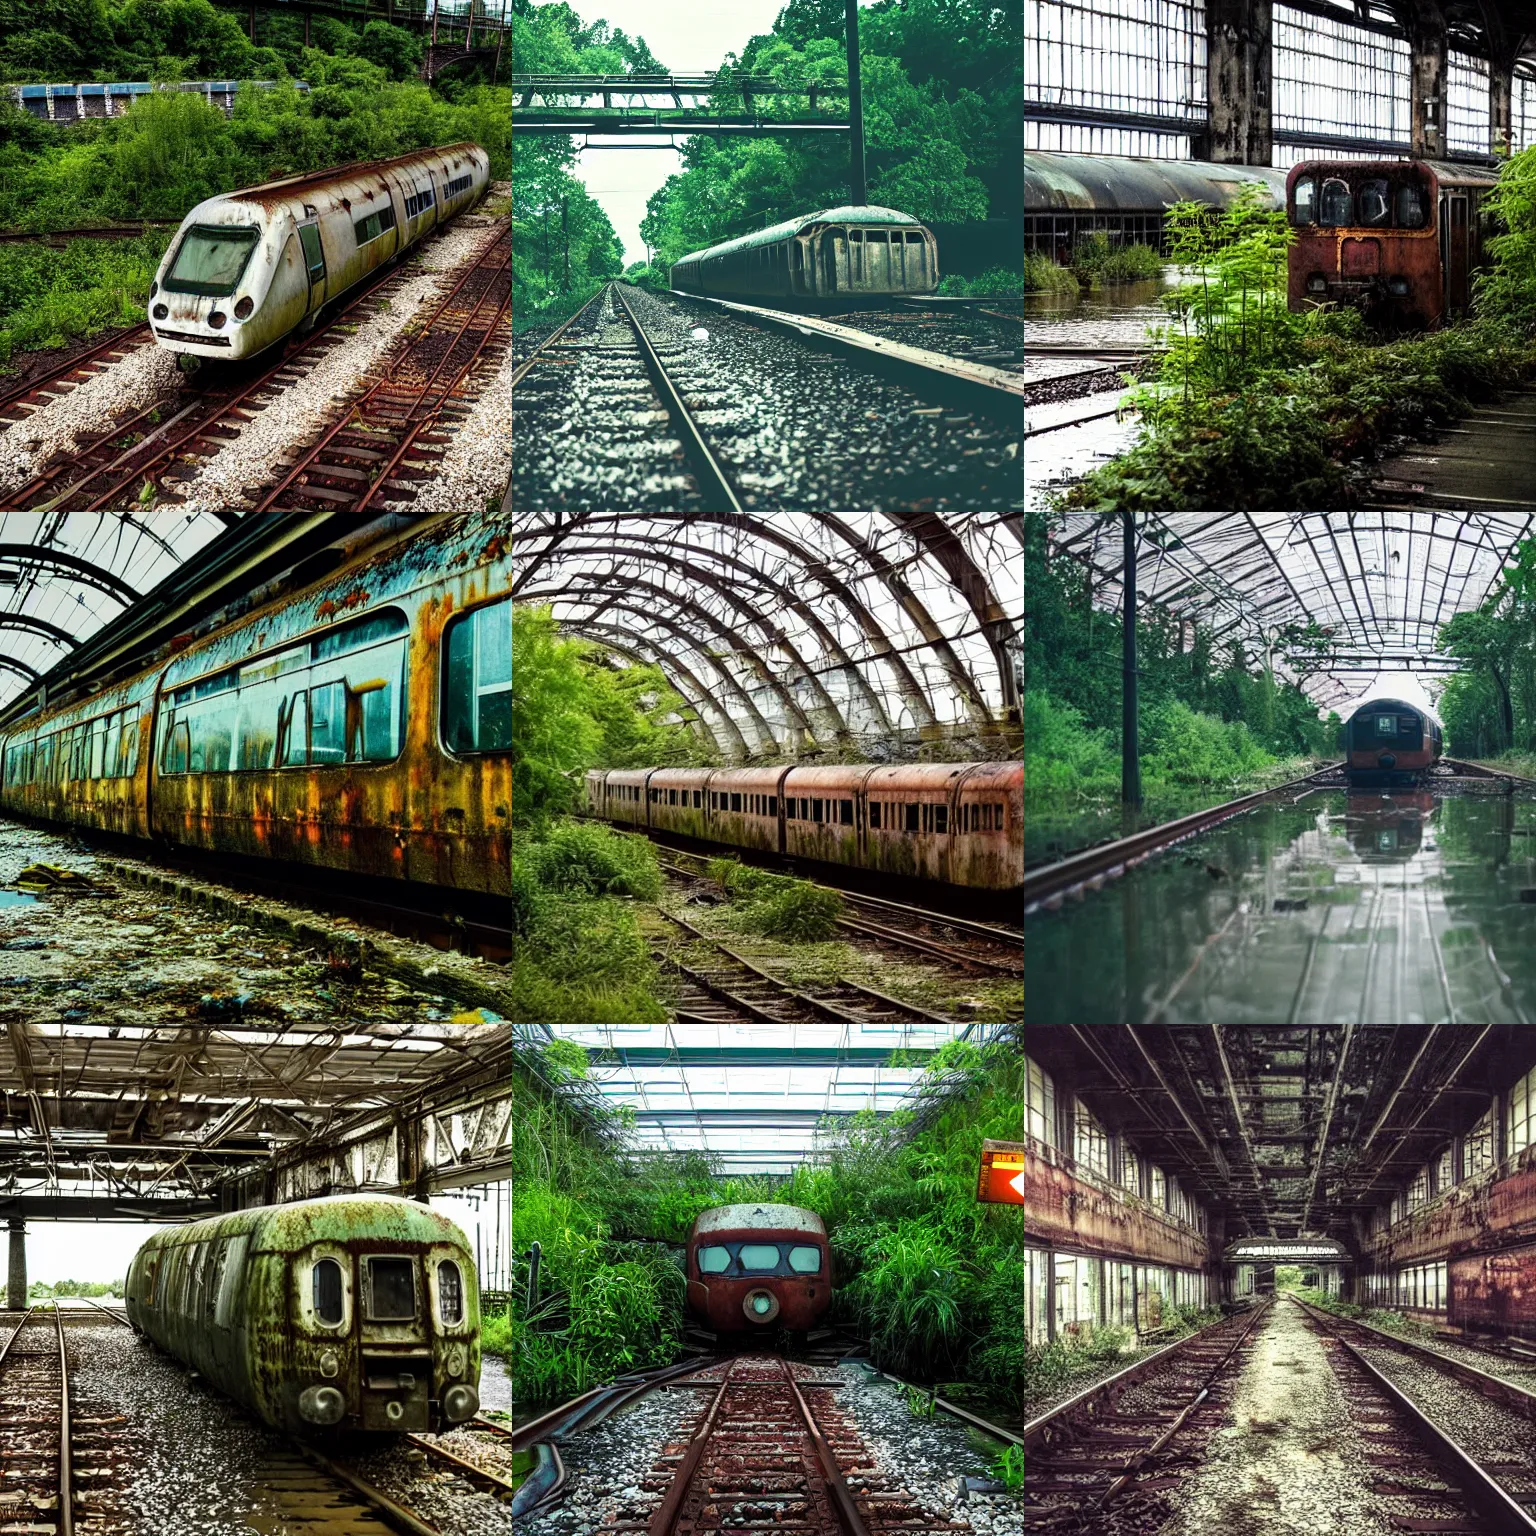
x=327 y=610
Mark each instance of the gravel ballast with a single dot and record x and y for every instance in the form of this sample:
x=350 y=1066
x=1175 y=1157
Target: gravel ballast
x=794 y=426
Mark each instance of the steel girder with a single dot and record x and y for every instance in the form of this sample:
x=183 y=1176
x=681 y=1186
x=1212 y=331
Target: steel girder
x=31 y=674
x=73 y=567
x=36 y=626
x=549 y=542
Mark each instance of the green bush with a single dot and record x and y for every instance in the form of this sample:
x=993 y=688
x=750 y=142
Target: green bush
x=1096 y=257
x=996 y=280
x=1183 y=747
x=527 y=898
x=779 y=906
x=588 y=858
x=1062 y=752
x=1042 y=275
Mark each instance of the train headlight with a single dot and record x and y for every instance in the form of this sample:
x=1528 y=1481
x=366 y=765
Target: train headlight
x=322 y=1405
x=217 y=319
x=455 y=1362
x=244 y=308
x=329 y=1364
x=760 y=1306
x=160 y=312
x=460 y=1403
x=1317 y=283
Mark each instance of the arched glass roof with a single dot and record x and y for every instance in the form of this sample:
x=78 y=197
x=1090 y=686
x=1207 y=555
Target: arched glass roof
x=1379 y=581
x=797 y=631
x=755 y=1097
x=64 y=575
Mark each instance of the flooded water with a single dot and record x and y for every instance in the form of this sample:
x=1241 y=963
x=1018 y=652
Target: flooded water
x=17 y=899
x=1058 y=825
x=1112 y=315
x=1373 y=908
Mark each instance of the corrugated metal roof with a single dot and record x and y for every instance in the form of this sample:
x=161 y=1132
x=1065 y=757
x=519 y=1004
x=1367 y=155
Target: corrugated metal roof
x=1120 y=183
x=864 y=214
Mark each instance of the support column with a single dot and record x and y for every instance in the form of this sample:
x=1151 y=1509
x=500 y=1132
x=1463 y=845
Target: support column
x=16 y=1273
x=1427 y=70
x=1130 y=736
x=858 y=188
x=1239 y=83
x=1501 y=104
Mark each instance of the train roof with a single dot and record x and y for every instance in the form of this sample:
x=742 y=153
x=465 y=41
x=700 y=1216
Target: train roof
x=330 y=1218
x=867 y=213
x=769 y=1218
x=1447 y=172
x=1093 y=183
x=270 y=192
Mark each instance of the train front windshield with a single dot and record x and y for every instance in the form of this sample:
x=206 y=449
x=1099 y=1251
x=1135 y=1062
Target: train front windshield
x=1334 y=198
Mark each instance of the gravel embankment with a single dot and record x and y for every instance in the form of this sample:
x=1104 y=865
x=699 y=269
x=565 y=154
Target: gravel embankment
x=795 y=427
x=305 y=408
x=147 y=374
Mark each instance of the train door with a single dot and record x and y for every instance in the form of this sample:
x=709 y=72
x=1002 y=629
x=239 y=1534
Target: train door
x=833 y=245
x=314 y=258
x=1456 y=267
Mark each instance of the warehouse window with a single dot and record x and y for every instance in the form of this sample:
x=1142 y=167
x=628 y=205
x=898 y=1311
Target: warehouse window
x=1039 y=1104
x=477 y=684
x=1444 y=1171
x=1130 y=1170
x=1418 y=1191
x=1090 y=1141
x=1037 y=1312
x=1159 y=1186
x=1477 y=1150
x=1522 y=1114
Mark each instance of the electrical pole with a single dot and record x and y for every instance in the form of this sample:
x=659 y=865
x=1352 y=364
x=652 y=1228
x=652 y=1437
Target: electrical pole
x=546 y=246
x=859 y=192
x=1130 y=736
x=565 y=233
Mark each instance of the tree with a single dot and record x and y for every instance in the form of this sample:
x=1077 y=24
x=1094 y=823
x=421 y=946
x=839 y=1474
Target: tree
x=394 y=49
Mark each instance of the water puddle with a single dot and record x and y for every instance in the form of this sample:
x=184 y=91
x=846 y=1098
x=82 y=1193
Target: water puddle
x=1405 y=908
x=17 y=899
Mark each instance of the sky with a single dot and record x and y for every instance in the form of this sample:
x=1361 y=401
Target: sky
x=687 y=36
x=100 y=1250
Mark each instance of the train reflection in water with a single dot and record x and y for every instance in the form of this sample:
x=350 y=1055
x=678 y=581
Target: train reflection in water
x=1389 y=829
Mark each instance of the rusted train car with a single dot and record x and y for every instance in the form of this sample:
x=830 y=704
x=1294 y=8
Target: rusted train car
x=352 y=1312
x=833 y=254
x=759 y=1266
x=248 y=267
x=362 y=724
x=1399 y=240
x=1388 y=742
x=954 y=823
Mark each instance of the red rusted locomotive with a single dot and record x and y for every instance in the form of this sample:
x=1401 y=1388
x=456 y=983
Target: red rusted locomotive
x=1389 y=742
x=955 y=823
x=1398 y=239
x=759 y=1266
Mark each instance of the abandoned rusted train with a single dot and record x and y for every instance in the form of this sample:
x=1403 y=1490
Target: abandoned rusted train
x=361 y=724
x=1400 y=240
x=1389 y=742
x=246 y=268
x=834 y=254
x=352 y=1312
x=759 y=1266
x=954 y=823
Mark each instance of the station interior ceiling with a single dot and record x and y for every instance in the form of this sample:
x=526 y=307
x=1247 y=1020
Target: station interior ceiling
x=1289 y=1132
x=752 y=1098
x=807 y=630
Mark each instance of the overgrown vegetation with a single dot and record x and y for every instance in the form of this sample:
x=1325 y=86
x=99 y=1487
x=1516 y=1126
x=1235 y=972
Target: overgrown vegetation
x=778 y=906
x=995 y=280
x=1377 y=1317
x=1255 y=407
x=1489 y=707
x=172 y=150
x=1050 y=1367
x=1097 y=258
x=43 y=1290
x=930 y=1275
x=1042 y=275
x=1210 y=715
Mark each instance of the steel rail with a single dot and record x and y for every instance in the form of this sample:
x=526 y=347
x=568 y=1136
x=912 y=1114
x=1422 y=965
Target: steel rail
x=394 y=1514
x=524 y=368
x=492 y=1482
x=121 y=339
x=1488 y=1497
x=116 y=1317
x=1048 y=884
x=842 y=1499
x=66 y=1466
x=664 y=1521
x=355 y=407
x=718 y=493
x=1479 y=771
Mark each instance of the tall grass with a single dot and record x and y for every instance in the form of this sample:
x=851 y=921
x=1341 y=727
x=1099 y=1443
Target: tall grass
x=1042 y=275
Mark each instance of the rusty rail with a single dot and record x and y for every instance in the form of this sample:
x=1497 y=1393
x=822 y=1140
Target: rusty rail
x=63 y=1478
x=119 y=341
x=1478 y=771
x=1049 y=884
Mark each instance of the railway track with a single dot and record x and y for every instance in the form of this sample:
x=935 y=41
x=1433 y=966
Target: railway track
x=36 y=1467
x=1413 y=1459
x=990 y=948
x=19 y=402
x=1094 y=1449
x=771 y=1451
x=728 y=988
x=708 y=457
x=380 y=443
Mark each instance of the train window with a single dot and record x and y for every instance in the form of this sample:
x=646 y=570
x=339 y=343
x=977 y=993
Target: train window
x=214 y=1279
x=714 y=1261
x=1386 y=725
x=151 y=1274
x=374 y=225
x=233 y=1268
x=941 y=818
x=391 y=1289
x=1410 y=206
x=327 y=723
x=816 y=810
x=477 y=691
x=876 y=234
x=735 y=802
x=1374 y=207
x=804 y=1259
x=325 y=1282
x=43 y=767
x=773 y=805
x=671 y=797
x=874 y=813
x=912 y=817
x=845 y=812
x=914 y=237
x=1304 y=201
x=698 y=799
x=173 y=755
x=758 y=1256
x=1338 y=207
x=997 y=816
x=927 y=817
x=856 y=234
x=450 y=1292
x=259 y=712
x=293 y=728
x=212 y=260
x=111 y=739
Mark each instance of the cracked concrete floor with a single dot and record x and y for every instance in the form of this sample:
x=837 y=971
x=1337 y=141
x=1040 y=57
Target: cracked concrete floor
x=1288 y=1461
